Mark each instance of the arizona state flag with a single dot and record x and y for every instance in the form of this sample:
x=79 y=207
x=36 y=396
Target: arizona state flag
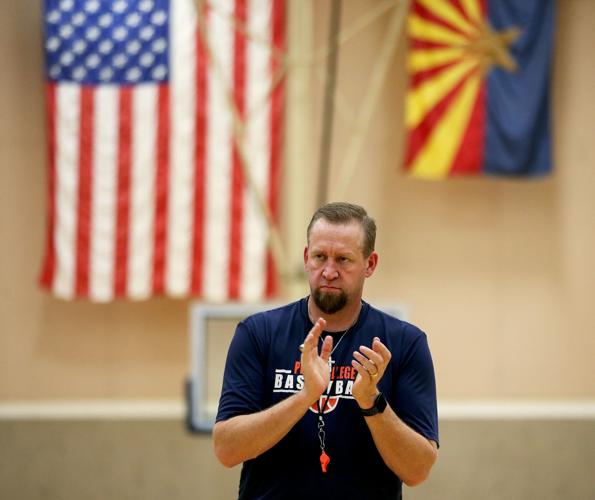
x=479 y=92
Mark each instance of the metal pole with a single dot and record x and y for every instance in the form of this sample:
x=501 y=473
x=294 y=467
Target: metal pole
x=328 y=109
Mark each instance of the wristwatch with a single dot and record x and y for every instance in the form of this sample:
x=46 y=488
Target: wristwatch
x=379 y=406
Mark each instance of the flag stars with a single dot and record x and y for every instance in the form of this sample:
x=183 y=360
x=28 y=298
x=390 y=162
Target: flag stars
x=66 y=31
x=146 y=5
x=133 y=74
x=90 y=41
x=146 y=33
x=159 y=45
x=93 y=33
x=79 y=46
x=120 y=33
x=105 y=47
x=93 y=61
x=79 y=73
x=120 y=60
x=53 y=17
x=133 y=20
x=119 y=6
x=133 y=47
x=146 y=59
x=66 y=58
x=66 y=5
x=53 y=43
x=105 y=20
x=159 y=72
x=159 y=18
x=493 y=48
x=78 y=19
x=55 y=71
x=106 y=74
x=92 y=6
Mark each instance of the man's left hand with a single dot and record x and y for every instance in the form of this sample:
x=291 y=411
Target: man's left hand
x=370 y=365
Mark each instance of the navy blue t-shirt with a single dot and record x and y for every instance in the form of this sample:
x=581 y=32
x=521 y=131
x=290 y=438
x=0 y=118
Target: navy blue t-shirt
x=263 y=368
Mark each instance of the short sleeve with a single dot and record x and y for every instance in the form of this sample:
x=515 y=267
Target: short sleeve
x=414 y=399
x=243 y=378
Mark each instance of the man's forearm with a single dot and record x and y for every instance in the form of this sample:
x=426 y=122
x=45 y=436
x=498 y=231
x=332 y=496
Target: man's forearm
x=247 y=436
x=408 y=454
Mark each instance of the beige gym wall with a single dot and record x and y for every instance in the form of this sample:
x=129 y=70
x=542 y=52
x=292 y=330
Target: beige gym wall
x=498 y=272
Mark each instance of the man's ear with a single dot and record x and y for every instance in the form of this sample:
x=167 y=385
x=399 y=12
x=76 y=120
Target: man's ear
x=305 y=255
x=371 y=263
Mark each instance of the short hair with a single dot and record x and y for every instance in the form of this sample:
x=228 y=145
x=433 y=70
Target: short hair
x=344 y=213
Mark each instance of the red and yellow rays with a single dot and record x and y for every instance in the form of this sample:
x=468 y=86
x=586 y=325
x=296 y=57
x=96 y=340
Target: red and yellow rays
x=452 y=47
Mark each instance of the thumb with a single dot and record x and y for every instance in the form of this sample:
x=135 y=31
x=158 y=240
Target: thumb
x=327 y=347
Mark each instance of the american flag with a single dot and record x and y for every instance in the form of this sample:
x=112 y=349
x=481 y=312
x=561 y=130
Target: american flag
x=148 y=194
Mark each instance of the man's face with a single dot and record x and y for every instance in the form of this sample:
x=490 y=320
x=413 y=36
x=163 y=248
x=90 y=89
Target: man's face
x=336 y=265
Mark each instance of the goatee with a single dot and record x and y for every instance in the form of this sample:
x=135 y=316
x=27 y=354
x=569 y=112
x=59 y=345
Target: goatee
x=329 y=303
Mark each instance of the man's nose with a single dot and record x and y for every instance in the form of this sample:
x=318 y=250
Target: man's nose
x=330 y=271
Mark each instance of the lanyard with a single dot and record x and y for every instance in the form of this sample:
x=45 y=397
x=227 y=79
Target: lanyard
x=324 y=458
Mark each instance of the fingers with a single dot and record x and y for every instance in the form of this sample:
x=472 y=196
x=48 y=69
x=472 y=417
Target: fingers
x=318 y=328
x=371 y=363
x=365 y=374
x=368 y=365
x=327 y=347
x=381 y=349
x=369 y=377
x=311 y=340
x=372 y=356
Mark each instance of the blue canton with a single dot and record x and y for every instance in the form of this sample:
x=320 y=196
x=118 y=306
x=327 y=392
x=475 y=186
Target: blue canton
x=107 y=42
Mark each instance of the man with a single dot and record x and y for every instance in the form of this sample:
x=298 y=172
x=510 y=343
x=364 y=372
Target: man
x=306 y=386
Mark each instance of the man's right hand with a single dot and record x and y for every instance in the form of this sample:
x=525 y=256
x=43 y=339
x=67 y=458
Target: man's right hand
x=315 y=367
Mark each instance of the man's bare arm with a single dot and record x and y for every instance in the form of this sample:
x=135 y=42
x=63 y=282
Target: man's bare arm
x=407 y=453
x=247 y=436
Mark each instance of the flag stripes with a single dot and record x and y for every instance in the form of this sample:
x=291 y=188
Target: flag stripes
x=103 y=194
x=83 y=226
x=48 y=269
x=276 y=117
x=256 y=138
x=200 y=133
x=138 y=237
x=219 y=142
x=237 y=178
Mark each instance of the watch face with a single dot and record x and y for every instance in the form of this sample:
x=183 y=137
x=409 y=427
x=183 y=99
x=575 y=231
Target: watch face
x=380 y=403
x=379 y=406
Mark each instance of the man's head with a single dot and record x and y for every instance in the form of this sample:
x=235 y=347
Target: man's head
x=345 y=213
x=340 y=255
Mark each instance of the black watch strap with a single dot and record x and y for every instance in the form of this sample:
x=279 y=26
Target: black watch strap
x=379 y=406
